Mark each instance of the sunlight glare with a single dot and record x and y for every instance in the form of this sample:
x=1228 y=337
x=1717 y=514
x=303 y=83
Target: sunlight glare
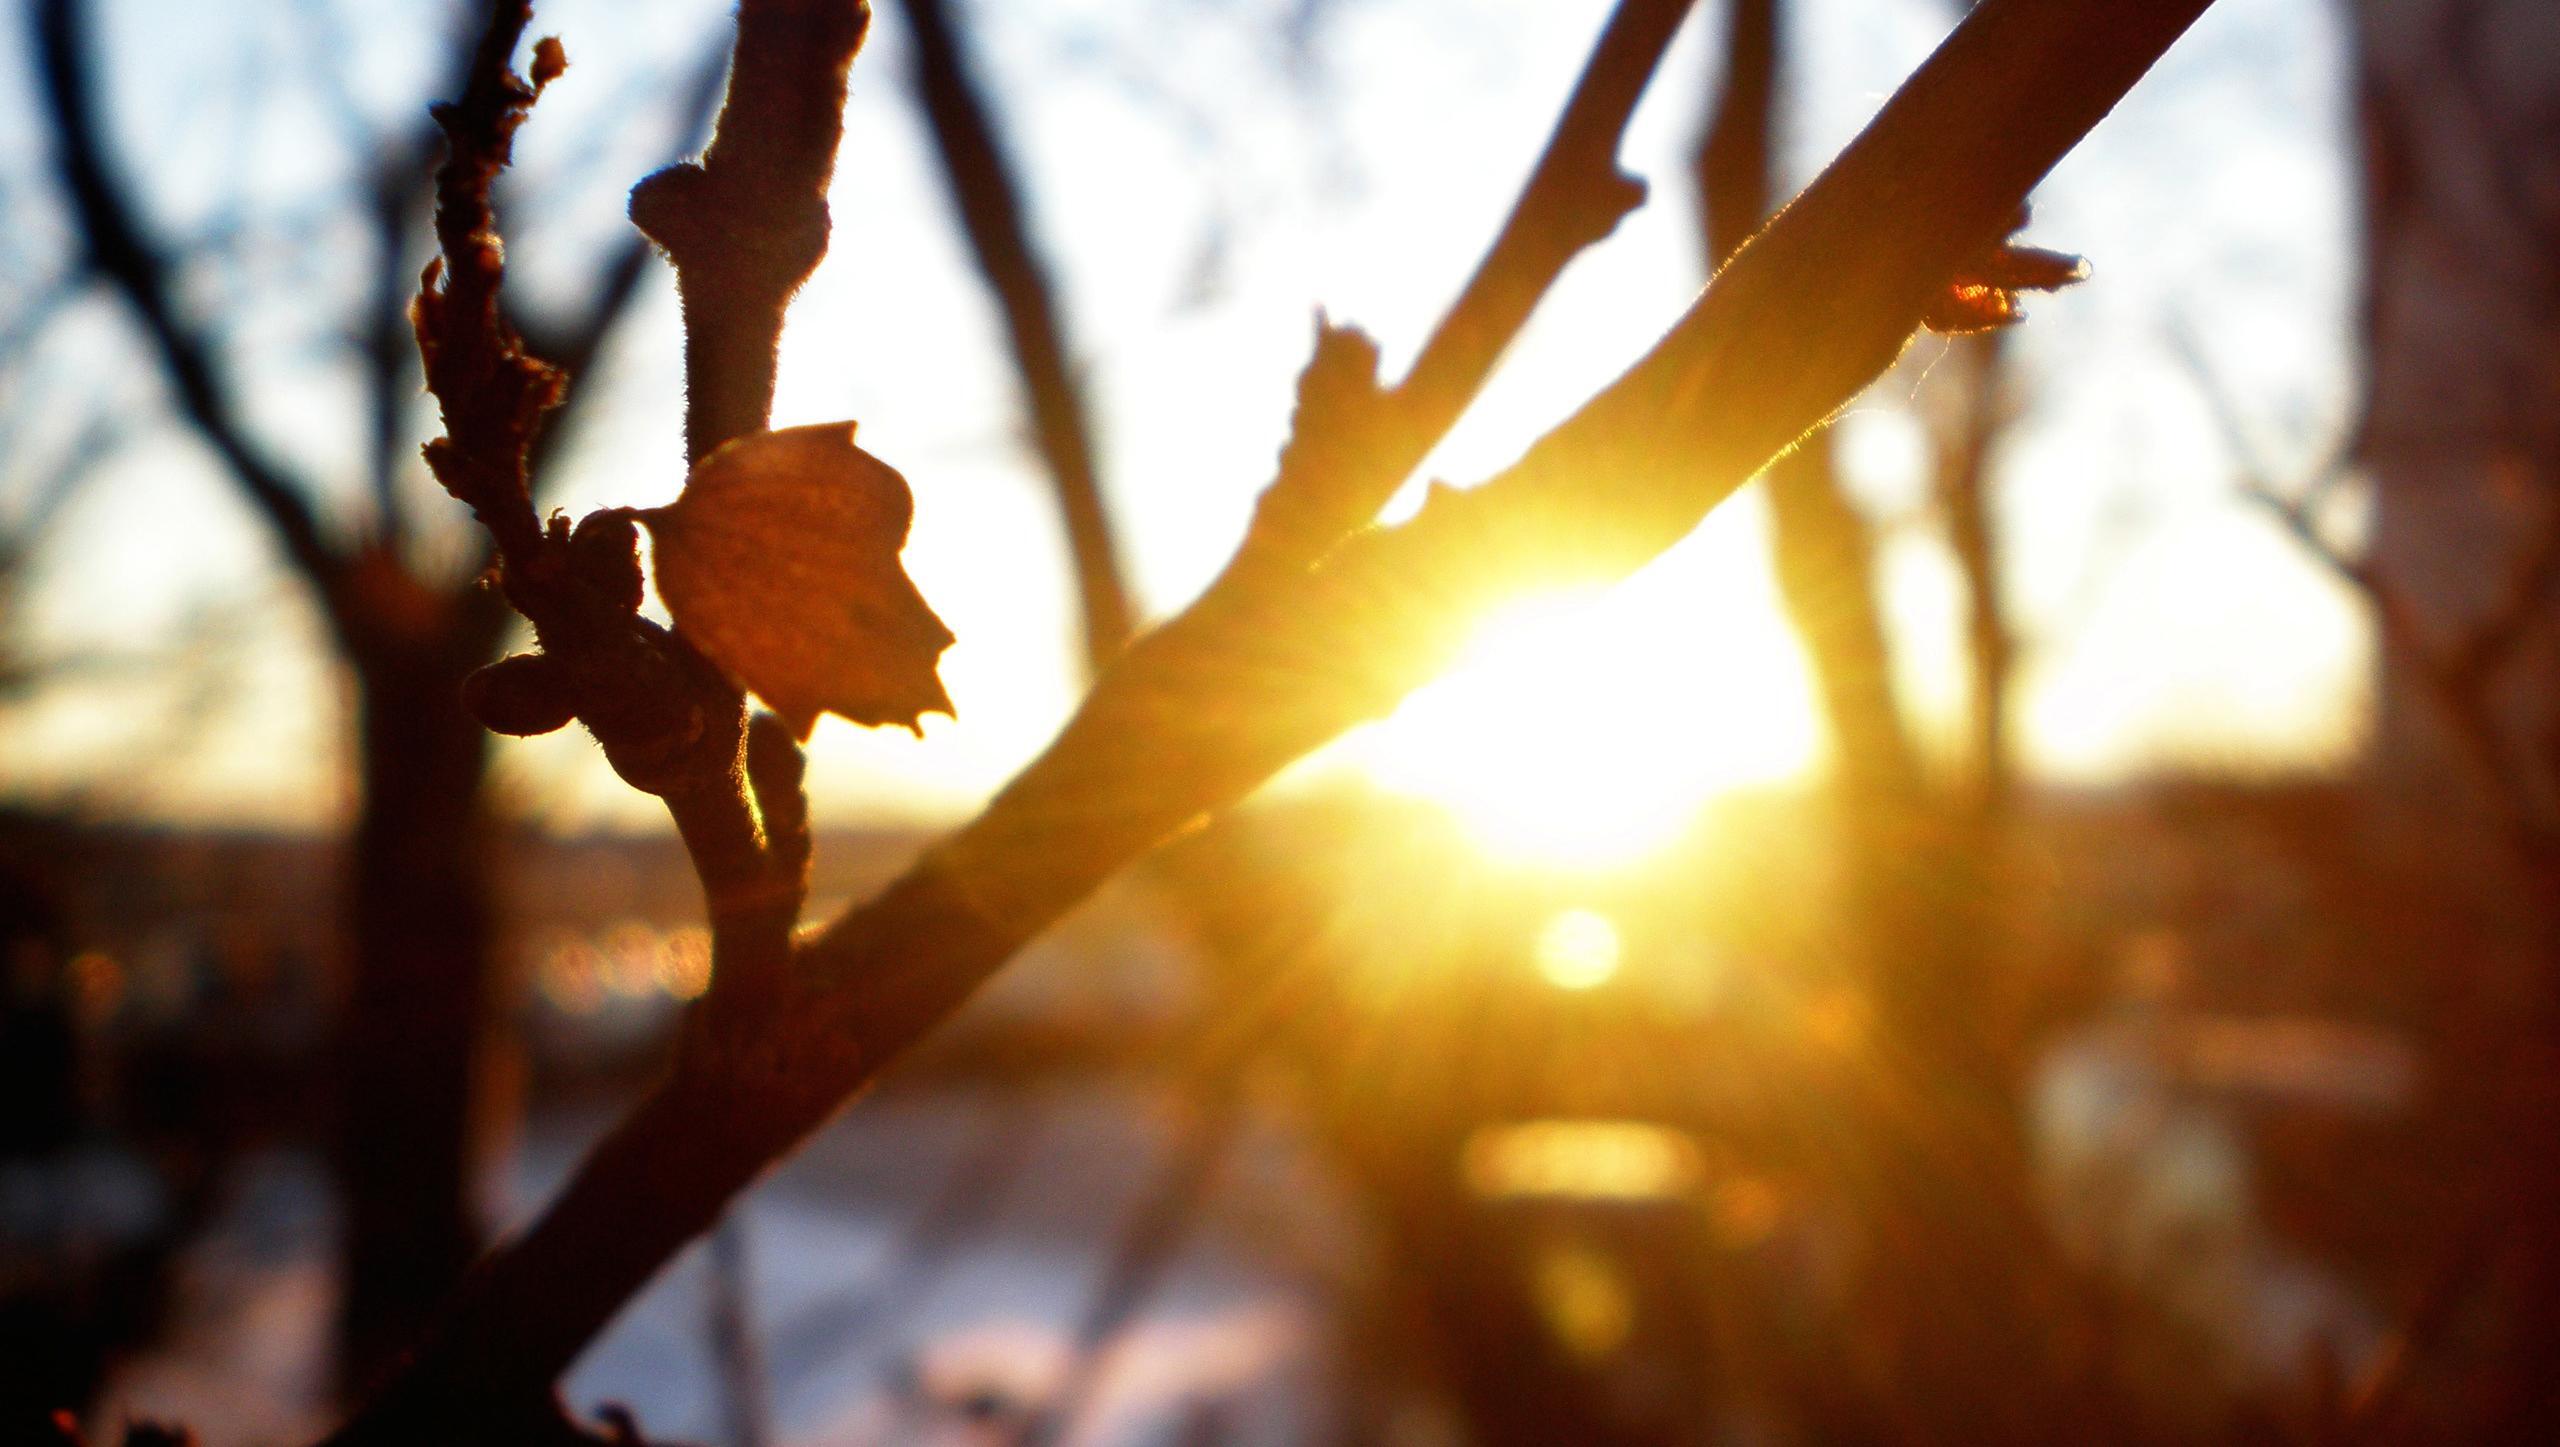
x=1587 y=729
x=1578 y=950
x=1581 y=1160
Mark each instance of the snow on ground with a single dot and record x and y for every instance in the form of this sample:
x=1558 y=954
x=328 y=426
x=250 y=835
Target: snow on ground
x=915 y=1276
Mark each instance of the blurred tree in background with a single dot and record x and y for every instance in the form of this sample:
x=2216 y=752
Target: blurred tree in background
x=405 y=611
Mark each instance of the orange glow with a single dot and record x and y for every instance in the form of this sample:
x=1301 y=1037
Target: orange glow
x=97 y=987
x=1587 y=729
x=1592 y=1160
x=1585 y=1297
x=1578 y=950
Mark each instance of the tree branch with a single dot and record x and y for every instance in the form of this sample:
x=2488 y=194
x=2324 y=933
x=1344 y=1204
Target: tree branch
x=1734 y=177
x=747 y=223
x=745 y=226
x=574 y=348
x=117 y=247
x=989 y=197
x=669 y=722
x=1355 y=442
x=2457 y=676
x=1268 y=664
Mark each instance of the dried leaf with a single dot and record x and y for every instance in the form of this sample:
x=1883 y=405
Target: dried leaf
x=780 y=562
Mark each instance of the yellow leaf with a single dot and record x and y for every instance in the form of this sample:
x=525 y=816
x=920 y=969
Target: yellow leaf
x=780 y=562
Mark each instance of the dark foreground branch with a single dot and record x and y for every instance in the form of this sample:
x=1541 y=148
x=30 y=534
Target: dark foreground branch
x=1272 y=662
x=747 y=224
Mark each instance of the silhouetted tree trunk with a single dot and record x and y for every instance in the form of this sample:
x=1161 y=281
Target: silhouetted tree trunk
x=417 y=896
x=421 y=996
x=1964 y=490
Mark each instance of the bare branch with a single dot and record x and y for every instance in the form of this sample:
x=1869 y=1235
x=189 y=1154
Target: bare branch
x=1354 y=442
x=1254 y=674
x=1575 y=197
x=575 y=348
x=747 y=223
x=117 y=247
x=989 y=196
x=2298 y=508
x=2457 y=677
x=493 y=394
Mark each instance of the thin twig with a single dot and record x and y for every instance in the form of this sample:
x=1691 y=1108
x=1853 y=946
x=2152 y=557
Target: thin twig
x=989 y=197
x=2457 y=676
x=1354 y=441
x=493 y=393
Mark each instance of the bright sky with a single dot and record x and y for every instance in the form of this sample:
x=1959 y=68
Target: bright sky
x=1203 y=186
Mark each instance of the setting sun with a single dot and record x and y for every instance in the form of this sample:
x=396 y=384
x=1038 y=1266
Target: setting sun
x=1586 y=729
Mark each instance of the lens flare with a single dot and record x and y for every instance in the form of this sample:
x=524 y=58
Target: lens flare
x=1586 y=730
x=1578 y=950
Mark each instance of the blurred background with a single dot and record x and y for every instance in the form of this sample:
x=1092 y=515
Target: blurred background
x=2048 y=903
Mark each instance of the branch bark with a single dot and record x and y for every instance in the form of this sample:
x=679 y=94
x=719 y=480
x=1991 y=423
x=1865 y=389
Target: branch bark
x=1272 y=661
x=747 y=223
